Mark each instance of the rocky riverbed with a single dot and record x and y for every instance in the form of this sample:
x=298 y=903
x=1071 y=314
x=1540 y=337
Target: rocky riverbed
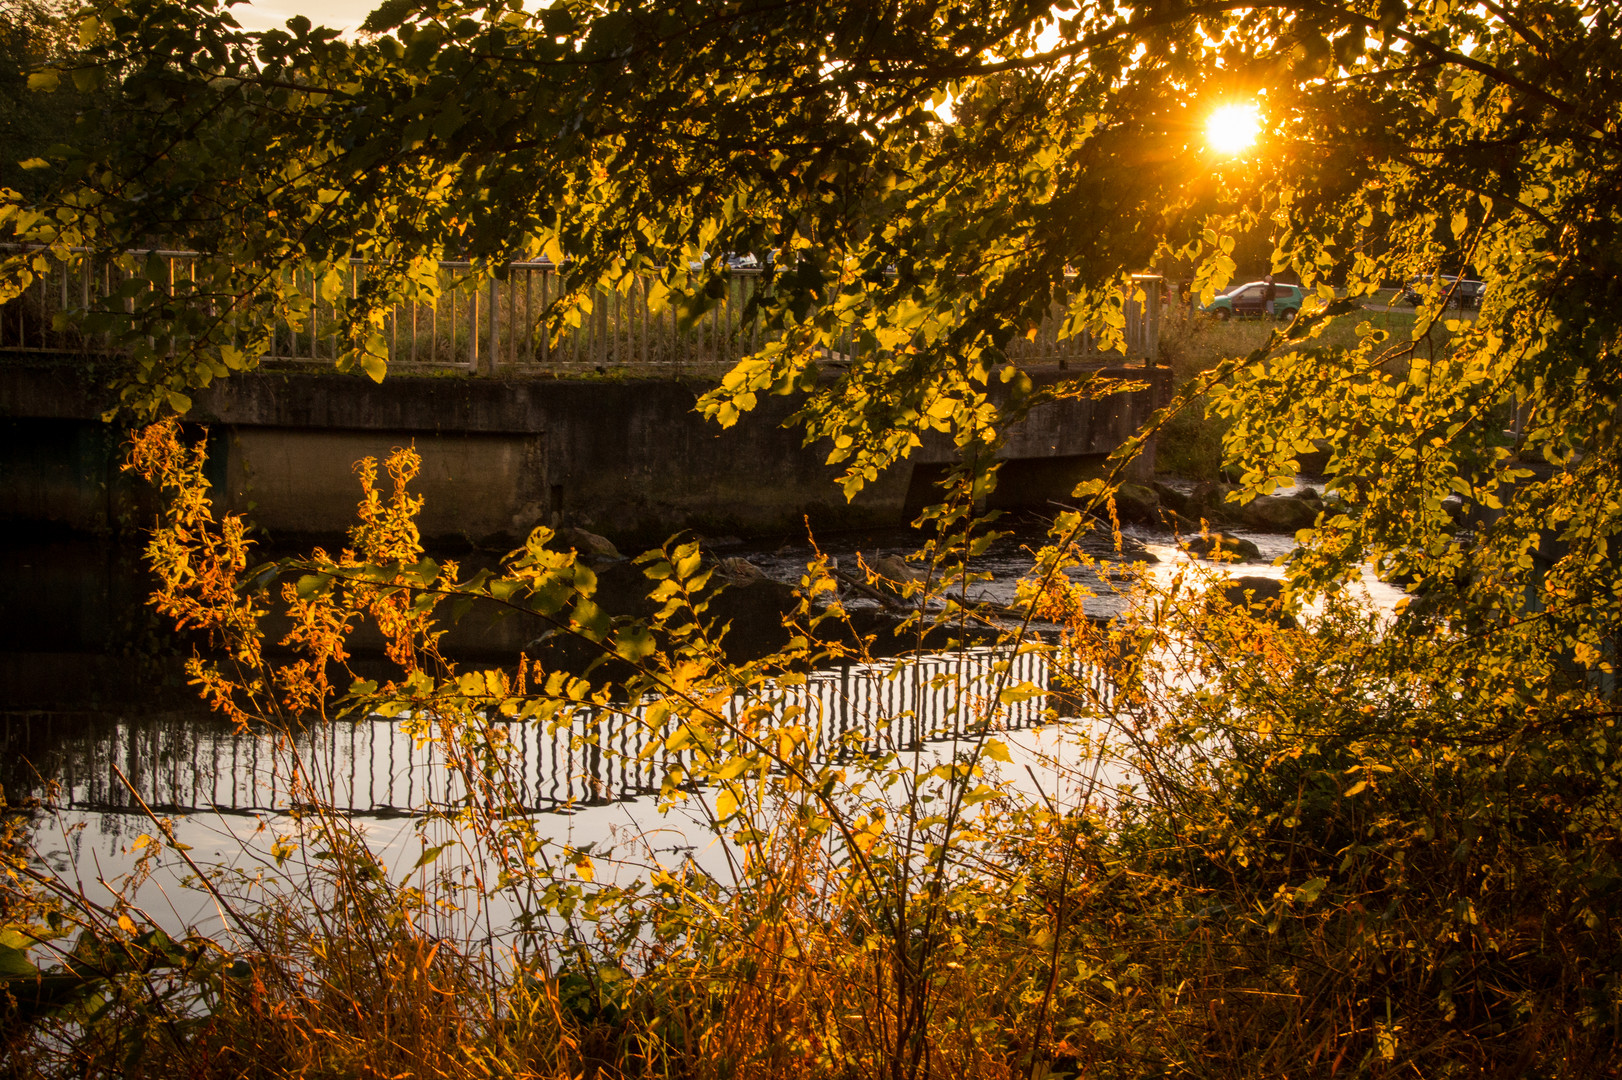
x=1163 y=528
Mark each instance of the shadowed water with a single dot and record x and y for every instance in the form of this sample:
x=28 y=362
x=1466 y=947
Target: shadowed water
x=101 y=737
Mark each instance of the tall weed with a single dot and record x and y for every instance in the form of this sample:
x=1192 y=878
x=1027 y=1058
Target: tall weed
x=1301 y=847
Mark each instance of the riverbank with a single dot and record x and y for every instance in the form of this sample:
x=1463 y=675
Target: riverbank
x=778 y=915
x=1190 y=444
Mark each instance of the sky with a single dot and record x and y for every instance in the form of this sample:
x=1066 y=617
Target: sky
x=270 y=14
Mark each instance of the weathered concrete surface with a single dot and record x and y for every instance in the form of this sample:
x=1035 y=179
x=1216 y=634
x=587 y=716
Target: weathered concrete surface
x=624 y=457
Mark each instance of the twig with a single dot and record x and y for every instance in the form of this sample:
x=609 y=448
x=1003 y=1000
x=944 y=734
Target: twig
x=168 y=834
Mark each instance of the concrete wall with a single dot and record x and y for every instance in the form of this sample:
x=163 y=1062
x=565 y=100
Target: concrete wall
x=619 y=457
x=628 y=458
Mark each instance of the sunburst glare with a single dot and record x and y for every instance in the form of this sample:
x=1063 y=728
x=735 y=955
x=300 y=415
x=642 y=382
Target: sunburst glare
x=1232 y=129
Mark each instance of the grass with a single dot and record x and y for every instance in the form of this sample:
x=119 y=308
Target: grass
x=1190 y=445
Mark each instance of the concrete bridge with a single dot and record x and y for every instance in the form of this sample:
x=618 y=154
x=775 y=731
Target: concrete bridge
x=598 y=431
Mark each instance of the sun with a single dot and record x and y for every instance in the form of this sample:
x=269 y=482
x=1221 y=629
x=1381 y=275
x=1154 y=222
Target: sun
x=1232 y=129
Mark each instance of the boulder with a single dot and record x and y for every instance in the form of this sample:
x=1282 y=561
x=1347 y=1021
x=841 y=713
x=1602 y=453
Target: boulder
x=1221 y=547
x=589 y=545
x=895 y=568
x=739 y=571
x=1252 y=589
x=1315 y=461
x=1170 y=498
x=1264 y=596
x=1270 y=513
x=1208 y=502
x=1137 y=504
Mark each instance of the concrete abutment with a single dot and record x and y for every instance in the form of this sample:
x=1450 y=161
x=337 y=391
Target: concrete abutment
x=627 y=457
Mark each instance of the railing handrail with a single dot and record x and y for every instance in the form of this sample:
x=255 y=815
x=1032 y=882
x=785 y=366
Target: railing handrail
x=541 y=263
x=488 y=321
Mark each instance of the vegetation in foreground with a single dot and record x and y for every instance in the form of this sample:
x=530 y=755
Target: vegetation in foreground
x=1189 y=443
x=1350 y=848
x=1276 y=850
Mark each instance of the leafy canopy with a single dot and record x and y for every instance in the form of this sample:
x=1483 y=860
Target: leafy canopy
x=980 y=151
x=1413 y=828
x=932 y=177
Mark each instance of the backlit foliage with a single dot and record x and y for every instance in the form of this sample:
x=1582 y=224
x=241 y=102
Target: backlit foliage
x=1353 y=848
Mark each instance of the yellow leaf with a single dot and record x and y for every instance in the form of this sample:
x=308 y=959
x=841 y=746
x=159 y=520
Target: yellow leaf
x=726 y=804
x=1021 y=692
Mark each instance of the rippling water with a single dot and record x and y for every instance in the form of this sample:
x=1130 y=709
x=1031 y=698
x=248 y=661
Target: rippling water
x=75 y=622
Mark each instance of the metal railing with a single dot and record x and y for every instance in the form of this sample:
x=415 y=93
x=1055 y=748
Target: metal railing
x=486 y=324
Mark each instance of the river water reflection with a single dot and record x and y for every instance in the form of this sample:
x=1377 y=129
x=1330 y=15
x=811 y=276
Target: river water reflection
x=96 y=754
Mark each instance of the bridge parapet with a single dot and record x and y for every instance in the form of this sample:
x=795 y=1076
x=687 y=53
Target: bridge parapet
x=489 y=324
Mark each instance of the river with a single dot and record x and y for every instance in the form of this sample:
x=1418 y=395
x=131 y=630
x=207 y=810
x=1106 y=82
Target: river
x=100 y=737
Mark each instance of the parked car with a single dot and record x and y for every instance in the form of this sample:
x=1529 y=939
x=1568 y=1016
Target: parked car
x=732 y=260
x=1463 y=292
x=1247 y=299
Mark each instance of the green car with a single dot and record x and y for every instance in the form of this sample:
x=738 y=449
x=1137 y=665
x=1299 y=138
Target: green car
x=1247 y=300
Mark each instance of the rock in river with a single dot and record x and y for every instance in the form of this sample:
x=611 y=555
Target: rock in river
x=1271 y=513
x=1208 y=502
x=1221 y=547
x=1137 y=504
x=896 y=569
x=740 y=571
x=589 y=545
x=1264 y=596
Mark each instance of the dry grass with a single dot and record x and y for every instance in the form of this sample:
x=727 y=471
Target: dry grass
x=1277 y=892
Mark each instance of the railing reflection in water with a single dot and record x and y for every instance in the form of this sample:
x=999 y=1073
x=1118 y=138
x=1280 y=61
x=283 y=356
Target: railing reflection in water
x=186 y=764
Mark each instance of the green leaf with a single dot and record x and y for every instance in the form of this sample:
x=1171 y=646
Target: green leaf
x=634 y=643
x=1311 y=889
x=1024 y=691
x=14 y=964
x=430 y=854
x=726 y=803
x=309 y=585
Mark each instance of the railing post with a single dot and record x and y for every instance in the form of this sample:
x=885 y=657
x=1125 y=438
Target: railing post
x=472 y=329
x=492 y=341
x=1151 y=344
